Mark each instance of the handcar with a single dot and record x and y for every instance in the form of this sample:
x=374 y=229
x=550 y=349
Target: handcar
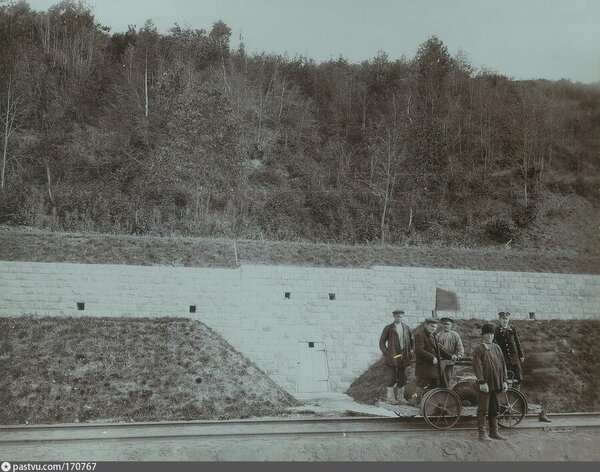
x=442 y=407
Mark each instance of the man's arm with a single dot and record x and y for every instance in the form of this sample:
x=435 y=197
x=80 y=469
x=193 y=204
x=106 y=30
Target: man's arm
x=383 y=339
x=460 y=350
x=478 y=363
x=503 y=364
x=518 y=344
x=412 y=339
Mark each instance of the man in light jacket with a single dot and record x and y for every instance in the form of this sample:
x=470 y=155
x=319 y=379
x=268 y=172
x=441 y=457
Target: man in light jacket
x=397 y=345
x=451 y=342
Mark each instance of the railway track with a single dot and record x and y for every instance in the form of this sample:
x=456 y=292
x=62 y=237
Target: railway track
x=256 y=428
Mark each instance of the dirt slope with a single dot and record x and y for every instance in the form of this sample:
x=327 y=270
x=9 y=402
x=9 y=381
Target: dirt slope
x=119 y=369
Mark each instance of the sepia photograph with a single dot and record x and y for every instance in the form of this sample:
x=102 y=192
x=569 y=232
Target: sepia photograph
x=299 y=231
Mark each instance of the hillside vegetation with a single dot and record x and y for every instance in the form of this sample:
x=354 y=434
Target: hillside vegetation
x=64 y=370
x=559 y=369
x=185 y=134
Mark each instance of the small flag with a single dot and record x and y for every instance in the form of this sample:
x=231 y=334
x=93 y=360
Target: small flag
x=446 y=300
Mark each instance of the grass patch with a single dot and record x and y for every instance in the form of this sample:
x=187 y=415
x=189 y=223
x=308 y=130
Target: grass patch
x=57 y=370
x=560 y=369
x=22 y=244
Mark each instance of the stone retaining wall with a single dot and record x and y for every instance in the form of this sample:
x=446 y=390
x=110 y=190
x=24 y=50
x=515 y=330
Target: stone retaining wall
x=266 y=311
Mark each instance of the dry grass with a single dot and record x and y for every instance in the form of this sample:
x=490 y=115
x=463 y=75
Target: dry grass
x=118 y=369
x=560 y=369
x=25 y=244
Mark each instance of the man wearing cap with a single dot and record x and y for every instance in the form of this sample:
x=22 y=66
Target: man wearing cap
x=506 y=337
x=429 y=353
x=451 y=342
x=397 y=345
x=490 y=369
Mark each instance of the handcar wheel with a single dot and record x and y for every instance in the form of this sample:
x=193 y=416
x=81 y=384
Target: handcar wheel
x=513 y=408
x=441 y=408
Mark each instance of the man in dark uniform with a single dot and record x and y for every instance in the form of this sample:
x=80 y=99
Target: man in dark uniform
x=429 y=353
x=397 y=345
x=506 y=337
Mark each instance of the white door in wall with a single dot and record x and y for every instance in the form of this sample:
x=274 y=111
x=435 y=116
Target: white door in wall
x=313 y=374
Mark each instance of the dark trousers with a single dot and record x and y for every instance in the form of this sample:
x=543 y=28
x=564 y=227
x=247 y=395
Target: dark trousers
x=514 y=365
x=447 y=372
x=395 y=376
x=487 y=403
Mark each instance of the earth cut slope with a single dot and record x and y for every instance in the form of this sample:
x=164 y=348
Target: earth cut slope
x=65 y=370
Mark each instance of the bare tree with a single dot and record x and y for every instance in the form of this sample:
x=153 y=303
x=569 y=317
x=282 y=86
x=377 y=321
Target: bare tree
x=12 y=109
x=387 y=155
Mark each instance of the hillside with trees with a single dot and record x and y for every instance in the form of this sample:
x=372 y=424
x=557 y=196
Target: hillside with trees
x=184 y=133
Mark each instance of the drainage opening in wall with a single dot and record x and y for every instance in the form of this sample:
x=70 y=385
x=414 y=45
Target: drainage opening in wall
x=192 y=308
x=332 y=296
x=81 y=306
x=287 y=295
x=532 y=315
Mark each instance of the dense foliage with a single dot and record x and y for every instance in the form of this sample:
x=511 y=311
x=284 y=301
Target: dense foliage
x=180 y=133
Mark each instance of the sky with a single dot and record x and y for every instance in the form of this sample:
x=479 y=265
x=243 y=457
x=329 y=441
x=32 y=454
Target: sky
x=522 y=39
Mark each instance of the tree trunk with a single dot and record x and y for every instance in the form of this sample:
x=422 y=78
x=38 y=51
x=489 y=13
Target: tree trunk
x=281 y=100
x=7 y=131
x=49 y=182
x=146 y=83
x=223 y=67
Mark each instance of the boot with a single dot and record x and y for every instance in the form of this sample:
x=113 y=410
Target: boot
x=542 y=416
x=494 y=434
x=483 y=436
x=399 y=394
x=390 y=398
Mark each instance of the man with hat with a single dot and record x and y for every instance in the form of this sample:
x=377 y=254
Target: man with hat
x=506 y=337
x=429 y=353
x=451 y=342
x=490 y=369
x=397 y=345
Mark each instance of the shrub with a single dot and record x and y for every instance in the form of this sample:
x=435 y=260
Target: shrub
x=523 y=216
x=500 y=228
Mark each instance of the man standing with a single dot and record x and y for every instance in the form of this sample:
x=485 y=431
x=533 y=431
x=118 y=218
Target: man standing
x=397 y=345
x=451 y=342
x=429 y=353
x=506 y=337
x=490 y=369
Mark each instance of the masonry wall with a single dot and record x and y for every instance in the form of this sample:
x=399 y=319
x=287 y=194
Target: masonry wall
x=344 y=308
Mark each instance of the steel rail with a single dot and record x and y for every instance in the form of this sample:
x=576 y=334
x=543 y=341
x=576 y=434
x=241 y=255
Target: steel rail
x=312 y=427
x=260 y=421
x=12 y=442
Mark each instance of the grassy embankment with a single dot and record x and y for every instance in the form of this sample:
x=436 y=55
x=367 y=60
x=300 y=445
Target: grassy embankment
x=118 y=369
x=25 y=244
x=560 y=365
